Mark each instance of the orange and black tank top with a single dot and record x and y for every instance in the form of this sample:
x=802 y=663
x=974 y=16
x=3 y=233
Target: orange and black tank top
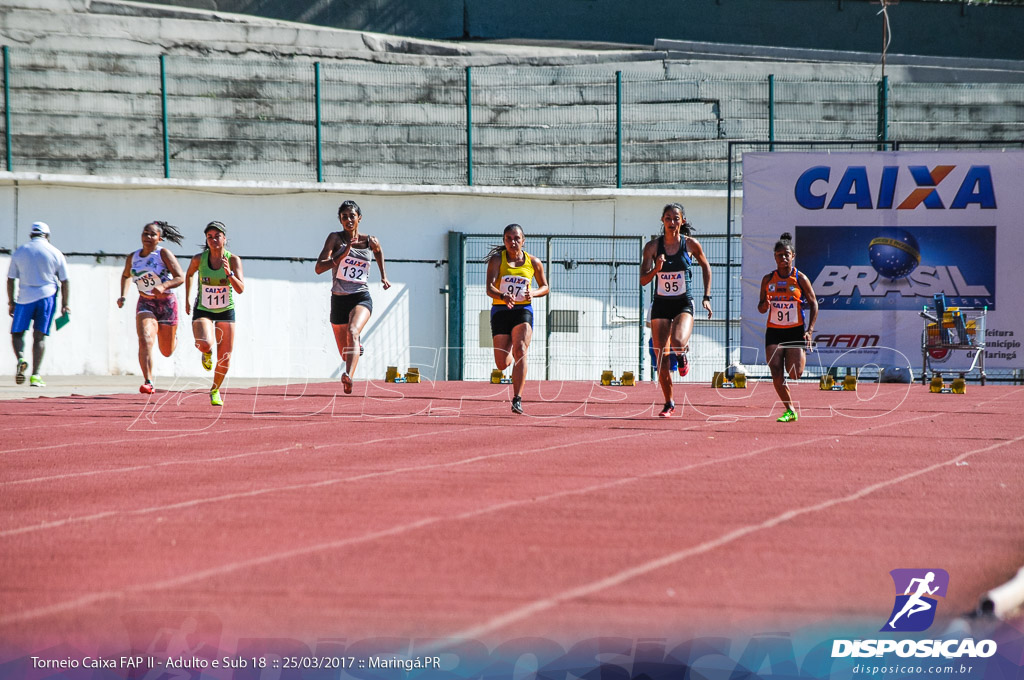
x=784 y=300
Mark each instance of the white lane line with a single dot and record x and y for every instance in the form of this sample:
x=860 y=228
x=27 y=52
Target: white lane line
x=544 y=604
x=195 y=576
x=397 y=530
x=82 y=519
x=246 y=564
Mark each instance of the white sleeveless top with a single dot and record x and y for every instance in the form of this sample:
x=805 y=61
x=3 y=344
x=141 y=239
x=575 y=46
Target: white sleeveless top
x=150 y=271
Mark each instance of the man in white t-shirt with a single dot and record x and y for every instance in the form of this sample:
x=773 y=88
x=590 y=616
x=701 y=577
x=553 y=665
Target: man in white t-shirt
x=40 y=270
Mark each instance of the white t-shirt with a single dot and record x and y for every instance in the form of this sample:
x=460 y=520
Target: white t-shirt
x=38 y=266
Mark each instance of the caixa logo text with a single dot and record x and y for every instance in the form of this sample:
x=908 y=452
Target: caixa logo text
x=816 y=190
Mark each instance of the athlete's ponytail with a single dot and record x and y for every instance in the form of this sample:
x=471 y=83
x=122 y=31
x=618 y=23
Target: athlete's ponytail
x=168 y=232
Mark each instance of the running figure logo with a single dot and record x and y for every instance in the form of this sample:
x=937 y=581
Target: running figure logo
x=914 y=609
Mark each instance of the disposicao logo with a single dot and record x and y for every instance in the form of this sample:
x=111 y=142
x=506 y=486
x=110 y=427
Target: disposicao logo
x=915 y=605
x=914 y=611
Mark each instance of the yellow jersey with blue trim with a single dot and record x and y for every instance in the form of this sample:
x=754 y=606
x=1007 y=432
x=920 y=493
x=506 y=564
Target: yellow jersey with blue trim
x=514 y=280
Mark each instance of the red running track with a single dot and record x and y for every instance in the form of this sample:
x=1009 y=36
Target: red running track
x=431 y=510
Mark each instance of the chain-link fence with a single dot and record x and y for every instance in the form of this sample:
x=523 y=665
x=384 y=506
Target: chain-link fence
x=592 y=321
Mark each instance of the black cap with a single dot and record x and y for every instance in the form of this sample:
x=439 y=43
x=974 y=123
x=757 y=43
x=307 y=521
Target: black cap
x=219 y=226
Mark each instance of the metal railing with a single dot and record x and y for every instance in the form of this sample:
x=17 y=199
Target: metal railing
x=570 y=126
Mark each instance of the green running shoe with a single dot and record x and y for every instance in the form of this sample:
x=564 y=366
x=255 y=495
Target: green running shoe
x=788 y=417
x=215 y=399
x=207 y=360
x=36 y=381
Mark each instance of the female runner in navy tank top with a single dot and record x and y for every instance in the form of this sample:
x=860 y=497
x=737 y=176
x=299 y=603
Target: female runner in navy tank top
x=668 y=261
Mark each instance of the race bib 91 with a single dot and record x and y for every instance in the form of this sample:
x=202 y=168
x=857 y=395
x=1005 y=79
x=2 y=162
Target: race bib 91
x=516 y=286
x=785 y=313
x=146 y=281
x=216 y=297
x=353 y=269
x=671 y=284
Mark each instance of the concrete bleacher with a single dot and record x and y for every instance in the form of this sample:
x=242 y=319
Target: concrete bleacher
x=86 y=99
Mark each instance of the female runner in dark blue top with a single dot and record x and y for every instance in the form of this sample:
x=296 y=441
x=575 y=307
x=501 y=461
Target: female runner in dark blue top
x=668 y=260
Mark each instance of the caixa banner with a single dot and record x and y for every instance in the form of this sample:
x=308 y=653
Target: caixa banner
x=879 y=235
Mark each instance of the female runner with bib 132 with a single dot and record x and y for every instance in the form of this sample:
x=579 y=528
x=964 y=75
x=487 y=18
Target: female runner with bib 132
x=213 y=322
x=783 y=293
x=347 y=255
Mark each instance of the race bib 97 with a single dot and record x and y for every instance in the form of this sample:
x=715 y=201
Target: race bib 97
x=516 y=286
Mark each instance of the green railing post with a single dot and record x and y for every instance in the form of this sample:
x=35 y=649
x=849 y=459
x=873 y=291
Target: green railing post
x=319 y=124
x=469 y=125
x=771 y=111
x=163 y=115
x=7 y=110
x=728 y=259
x=618 y=129
x=547 y=317
x=456 y=308
x=883 y=112
x=642 y=321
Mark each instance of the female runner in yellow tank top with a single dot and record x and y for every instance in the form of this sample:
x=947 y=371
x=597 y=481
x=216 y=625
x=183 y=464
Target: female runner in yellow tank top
x=510 y=269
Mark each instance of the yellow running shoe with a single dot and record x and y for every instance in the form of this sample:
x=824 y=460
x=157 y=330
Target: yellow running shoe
x=215 y=399
x=207 y=360
x=788 y=417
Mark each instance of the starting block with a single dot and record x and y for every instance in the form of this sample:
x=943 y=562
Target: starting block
x=739 y=381
x=828 y=383
x=608 y=378
x=392 y=375
x=937 y=386
x=498 y=378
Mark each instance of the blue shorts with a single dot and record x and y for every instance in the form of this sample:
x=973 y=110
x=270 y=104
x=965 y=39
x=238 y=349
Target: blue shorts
x=39 y=313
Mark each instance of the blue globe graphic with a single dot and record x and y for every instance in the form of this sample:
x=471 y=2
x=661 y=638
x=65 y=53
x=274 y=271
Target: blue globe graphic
x=894 y=253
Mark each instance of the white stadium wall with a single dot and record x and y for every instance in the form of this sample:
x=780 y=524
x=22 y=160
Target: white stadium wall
x=283 y=329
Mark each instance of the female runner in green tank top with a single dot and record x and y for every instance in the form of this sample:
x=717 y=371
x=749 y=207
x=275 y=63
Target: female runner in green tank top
x=213 y=322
